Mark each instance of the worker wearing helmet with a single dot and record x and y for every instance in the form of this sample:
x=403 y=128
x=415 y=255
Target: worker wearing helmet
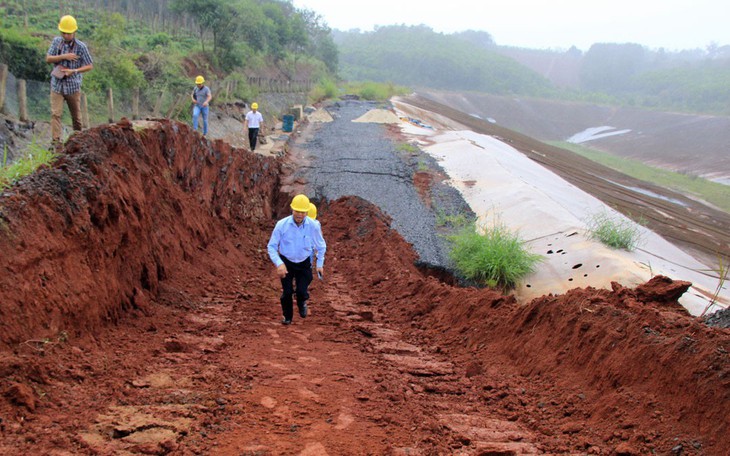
x=201 y=98
x=254 y=121
x=70 y=58
x=290 y=248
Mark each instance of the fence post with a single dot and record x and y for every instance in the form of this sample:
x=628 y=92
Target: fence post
x=84 y=111
x=22 y=101
x=135 y=104
x=3 y=82
x=110 y=104
x=174 y=106
x=158 y=104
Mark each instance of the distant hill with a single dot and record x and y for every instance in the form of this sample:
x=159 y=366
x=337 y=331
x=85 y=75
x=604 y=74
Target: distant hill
x=695 y=80
x=418 y=56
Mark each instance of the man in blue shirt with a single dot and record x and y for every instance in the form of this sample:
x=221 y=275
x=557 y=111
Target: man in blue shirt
x=290 y=249
x=70 y=58
x=201 y=97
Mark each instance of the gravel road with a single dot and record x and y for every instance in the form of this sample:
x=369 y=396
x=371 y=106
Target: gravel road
x=360 y=159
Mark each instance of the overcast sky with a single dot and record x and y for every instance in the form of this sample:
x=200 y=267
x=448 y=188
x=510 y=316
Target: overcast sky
x=558 y=24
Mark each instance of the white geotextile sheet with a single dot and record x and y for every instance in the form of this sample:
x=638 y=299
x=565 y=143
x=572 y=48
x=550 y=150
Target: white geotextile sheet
x=550 y=214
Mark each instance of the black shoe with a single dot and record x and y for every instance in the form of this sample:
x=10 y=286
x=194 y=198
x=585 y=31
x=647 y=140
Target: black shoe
x=303 y=310
x=285 y=322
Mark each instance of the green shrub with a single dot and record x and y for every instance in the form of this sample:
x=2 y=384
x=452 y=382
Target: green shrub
x=495 y=258
x=376 y=91
x=615 y=232
x=325 y=89
x=24 y=54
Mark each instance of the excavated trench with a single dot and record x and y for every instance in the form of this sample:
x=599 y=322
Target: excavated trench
x=139 y=315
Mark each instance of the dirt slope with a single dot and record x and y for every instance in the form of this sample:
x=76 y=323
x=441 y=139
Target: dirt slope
x=101 y=357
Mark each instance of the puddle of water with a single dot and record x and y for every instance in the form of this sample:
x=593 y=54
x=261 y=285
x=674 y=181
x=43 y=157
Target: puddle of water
x=593 y=133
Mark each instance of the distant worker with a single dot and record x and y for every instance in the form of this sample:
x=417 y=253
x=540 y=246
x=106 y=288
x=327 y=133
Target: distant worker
x=70 y=58
x=254 y=121
x=290 y=248
x=201 y=98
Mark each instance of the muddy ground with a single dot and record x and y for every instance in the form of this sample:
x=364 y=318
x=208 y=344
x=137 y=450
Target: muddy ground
x=139 y=315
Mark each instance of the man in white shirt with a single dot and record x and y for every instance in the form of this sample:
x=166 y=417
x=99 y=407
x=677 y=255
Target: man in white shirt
x=254 y=121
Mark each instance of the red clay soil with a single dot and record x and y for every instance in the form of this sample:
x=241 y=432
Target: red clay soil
x=140 y=315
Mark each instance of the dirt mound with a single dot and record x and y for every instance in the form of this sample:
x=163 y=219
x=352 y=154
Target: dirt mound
x=588 y=367
x=91 y=238
x=378 y=116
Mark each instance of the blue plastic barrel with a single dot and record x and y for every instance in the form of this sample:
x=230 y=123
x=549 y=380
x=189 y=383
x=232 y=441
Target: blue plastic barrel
x=288 y=124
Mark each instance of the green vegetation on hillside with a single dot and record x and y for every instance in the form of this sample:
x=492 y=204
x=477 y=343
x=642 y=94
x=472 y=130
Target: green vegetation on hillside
x=637 y=76
x=418 y=56
x=162 y=43
x=712 y=192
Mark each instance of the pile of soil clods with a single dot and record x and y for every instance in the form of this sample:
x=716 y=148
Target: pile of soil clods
x=626 y=371
x=91 y=238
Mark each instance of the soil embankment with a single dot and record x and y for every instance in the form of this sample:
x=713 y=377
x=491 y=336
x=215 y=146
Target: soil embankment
x=140 y=316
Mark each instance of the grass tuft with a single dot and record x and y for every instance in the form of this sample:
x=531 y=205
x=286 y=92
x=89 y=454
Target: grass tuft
x=33 y=157
x=496 y=258
x=615 y=232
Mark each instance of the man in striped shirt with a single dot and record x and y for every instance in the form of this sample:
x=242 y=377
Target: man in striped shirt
x=70 y=58
x=290 y=249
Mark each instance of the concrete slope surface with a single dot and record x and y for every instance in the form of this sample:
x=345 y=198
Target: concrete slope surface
x=139 y=315
x=552 y=215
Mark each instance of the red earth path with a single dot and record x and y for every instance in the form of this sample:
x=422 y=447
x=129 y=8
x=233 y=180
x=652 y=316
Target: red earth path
x=139 y=315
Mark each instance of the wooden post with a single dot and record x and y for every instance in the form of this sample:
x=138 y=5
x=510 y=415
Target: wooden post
x=84 y=111
x=22 y=101
x=110 y=104
x=171 y=111
x=3 y=82
x=158 y=104
x=135 y=104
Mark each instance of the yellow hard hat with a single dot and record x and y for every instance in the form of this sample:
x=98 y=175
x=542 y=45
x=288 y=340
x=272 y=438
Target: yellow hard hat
x=254 y=106
x=199 y=80
x=312 y=212
x=67 y=24
x=300 y=203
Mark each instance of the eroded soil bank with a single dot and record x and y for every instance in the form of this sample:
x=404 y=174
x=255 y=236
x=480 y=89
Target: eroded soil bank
x=140 y=316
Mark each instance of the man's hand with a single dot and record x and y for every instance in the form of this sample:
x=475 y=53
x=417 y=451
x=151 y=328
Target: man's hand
x=70 y=56
x=281 y=270
x=320 y=272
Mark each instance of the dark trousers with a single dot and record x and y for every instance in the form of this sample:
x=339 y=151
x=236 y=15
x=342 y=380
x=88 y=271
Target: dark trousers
x=302 y=274
x=253 y=135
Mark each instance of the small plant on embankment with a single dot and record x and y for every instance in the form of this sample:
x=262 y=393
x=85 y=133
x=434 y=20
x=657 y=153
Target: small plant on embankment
x=615 y=232
x=491 y=255
x=34 y=156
